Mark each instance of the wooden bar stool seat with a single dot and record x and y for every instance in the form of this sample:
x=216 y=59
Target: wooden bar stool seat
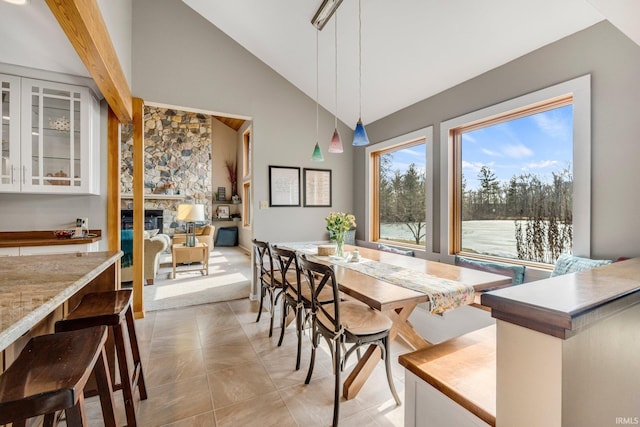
x=113 y=309
x=50 y=374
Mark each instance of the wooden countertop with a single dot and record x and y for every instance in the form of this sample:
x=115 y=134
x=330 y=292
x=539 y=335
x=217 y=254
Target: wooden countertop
x=31 y=287
x=463 y=369
x=562 y=306
x=9 y=239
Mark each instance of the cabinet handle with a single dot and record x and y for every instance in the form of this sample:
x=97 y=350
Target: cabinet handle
x=24 y=174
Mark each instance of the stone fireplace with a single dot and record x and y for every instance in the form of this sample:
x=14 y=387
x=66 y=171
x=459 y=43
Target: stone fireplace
x=177 y=162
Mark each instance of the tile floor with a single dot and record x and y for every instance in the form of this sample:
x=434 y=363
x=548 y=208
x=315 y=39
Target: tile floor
x=213 y=365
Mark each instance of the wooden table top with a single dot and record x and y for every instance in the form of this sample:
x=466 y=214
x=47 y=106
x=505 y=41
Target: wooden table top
x=382 y=295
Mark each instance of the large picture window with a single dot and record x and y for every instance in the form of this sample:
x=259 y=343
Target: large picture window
x=511 y=192
x=399 y=191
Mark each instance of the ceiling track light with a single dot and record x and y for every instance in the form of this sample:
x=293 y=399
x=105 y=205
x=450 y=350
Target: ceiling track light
x=324 y=13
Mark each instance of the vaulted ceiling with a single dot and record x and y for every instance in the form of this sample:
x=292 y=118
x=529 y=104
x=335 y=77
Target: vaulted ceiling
x=411 y=49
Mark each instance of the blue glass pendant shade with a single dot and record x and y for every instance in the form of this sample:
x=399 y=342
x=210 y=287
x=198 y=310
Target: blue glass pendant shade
x=317 y=154
x=360 y=135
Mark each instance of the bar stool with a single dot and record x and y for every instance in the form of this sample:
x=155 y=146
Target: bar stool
x=113 y=309
x=50 y=374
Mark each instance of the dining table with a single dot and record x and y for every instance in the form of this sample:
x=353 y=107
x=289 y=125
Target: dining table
x=395 y=285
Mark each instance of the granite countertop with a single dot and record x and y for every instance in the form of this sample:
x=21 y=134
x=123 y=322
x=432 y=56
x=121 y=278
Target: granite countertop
x=9 y=239
x=32 y=287
x=564 y=305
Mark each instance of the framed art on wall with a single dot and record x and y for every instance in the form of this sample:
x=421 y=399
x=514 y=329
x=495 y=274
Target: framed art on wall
x=284 y=186
x=317 y=187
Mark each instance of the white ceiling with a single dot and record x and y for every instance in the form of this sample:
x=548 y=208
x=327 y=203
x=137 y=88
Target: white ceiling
x=411 y=49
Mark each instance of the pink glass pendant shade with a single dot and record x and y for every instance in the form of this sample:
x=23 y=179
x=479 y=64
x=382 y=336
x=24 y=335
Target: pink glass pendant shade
x=336 y=143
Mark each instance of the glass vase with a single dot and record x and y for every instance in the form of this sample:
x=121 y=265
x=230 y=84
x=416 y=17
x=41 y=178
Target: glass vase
x=339 y=244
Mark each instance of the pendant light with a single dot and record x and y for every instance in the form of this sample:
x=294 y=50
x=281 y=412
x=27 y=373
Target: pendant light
x=317 y=153
x=335 y=146
x=359 y=134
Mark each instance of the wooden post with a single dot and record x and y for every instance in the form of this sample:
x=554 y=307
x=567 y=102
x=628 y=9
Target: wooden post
x=113 y=187
x=138 y=207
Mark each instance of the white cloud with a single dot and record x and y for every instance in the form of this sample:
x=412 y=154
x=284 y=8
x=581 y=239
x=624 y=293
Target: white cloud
x=553 y=125
x=517 y=151
x=492 y=153
x=474 y=166
x=467 y=137
x=541 y=164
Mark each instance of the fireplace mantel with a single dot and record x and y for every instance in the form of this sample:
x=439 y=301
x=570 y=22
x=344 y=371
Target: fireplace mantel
x=155 y=196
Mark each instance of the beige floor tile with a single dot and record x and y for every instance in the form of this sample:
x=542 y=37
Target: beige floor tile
x=226 y=356
x=171 y=344
x=211 y=338
x=264 y=411
x=163 y=369
x=312 y=404
x=238 y=383
x=203 y=420
x=175 y=401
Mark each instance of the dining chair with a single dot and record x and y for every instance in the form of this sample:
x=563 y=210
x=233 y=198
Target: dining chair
x=292 y=298
x=296 y=297
x=270 y=283
x=343 y=322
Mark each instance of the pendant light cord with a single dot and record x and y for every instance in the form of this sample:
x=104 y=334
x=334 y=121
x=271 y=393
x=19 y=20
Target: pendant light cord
x=360 y=58
x=317 y=84
x=335 y=62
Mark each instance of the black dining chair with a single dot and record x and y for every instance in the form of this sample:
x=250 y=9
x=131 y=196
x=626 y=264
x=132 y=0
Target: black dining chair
x=341 y=323
x=295 y=296
x=268 y=278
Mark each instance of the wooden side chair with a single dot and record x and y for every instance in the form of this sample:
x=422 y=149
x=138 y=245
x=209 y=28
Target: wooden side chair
x=341 y=323
x=268 y=278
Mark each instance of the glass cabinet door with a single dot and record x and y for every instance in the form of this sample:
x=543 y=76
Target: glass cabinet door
x=56 y=128
x=10 y=160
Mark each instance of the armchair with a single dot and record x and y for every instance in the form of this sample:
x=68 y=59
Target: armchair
x=153 y=247
x=204 y=235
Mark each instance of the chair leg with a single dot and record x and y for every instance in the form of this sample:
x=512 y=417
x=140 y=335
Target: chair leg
x=262 y=291
x=125 y=381
x=105 y=389
x=299 y=334
x=49 y=420
x=76 y=416
x=336 y=397
x=314 y=344
x=285 y=311
x=135 y=352
x=387 y=363
x=272 y=311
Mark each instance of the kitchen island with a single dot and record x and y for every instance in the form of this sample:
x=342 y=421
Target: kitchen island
x=38 y=290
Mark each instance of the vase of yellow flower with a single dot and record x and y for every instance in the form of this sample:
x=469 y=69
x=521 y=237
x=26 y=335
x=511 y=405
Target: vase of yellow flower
x=338 y=223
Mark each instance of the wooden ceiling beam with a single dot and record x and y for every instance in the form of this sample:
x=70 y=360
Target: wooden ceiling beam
x=82 y=22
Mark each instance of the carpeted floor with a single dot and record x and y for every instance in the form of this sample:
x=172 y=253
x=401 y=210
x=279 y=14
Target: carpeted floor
x=229 y=278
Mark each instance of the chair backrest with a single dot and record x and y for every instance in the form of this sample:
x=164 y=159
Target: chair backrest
x=288 y=260
x=263 y=261
x=318 y=276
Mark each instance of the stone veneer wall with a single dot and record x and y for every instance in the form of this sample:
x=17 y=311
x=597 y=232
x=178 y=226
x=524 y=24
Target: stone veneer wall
x=177 y=151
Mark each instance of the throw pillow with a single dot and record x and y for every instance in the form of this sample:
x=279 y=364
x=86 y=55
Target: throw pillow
x=514 y=271
x=393 y=250
x=568 y=263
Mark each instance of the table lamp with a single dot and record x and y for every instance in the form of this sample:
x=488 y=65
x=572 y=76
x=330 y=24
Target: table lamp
x=190 y=213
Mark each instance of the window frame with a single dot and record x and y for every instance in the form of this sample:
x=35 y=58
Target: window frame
x=372 y=152
x=580 y=89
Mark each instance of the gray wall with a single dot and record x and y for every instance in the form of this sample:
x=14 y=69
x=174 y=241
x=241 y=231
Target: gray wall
x=614 y=63
x=181 y=59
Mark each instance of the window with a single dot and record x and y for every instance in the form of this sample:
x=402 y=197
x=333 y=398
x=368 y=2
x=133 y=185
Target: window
x=512 y=193
x=246 y=154
x=399 y=196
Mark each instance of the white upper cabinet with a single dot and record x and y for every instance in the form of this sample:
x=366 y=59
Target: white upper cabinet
x=58 y=142
x=10 y=166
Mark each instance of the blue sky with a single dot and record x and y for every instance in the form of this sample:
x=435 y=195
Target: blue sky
x=403 y=158
x=537 y=144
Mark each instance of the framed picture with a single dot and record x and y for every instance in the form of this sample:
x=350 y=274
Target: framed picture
x=317 y=187
x=223 y=211
x=284 y=186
